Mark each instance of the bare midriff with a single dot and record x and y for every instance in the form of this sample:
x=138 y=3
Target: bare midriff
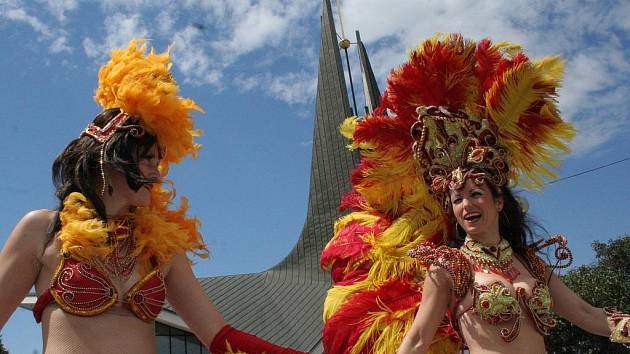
x=111 y=332
x=481 y=337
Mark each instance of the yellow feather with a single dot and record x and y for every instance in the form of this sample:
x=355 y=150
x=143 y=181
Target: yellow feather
x=515 y=95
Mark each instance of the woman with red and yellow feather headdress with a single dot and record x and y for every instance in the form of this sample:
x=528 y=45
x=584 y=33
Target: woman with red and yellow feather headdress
x=437 y=249
x=104 y=263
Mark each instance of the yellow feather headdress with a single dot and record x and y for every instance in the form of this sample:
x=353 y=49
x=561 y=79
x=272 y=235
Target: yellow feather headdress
x=142 y=86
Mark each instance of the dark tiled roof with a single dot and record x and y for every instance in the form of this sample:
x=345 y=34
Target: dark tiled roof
x=284 y=304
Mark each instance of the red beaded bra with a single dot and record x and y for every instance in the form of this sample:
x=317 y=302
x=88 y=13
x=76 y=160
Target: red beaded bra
x=81 y=289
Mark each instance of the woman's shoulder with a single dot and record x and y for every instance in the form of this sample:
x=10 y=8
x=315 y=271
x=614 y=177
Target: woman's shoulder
x=30 y=235
x=35 y=225
x=39 y=218
x=446 y=262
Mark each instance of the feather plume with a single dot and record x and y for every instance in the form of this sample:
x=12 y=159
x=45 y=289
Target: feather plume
x=377 y=286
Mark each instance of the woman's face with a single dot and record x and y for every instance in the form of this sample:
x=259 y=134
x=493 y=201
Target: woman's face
x=477 y=210
x=148 y=164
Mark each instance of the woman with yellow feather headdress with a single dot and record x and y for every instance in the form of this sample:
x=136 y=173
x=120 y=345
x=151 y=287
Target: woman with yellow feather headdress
x=107 y=259
x=437 y=254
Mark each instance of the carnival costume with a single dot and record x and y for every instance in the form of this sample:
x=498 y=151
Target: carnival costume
x=458 y=109
x=141 y=86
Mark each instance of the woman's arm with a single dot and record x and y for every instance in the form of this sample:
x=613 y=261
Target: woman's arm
x=20 y=260
x=436 y=294
x=574 y=309
x=192 y=304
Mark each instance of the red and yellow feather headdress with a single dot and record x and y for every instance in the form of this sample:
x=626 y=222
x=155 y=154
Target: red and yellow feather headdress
x=456 y=109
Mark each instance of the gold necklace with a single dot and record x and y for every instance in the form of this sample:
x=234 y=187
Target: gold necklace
x=121 y=261
x=491 y=259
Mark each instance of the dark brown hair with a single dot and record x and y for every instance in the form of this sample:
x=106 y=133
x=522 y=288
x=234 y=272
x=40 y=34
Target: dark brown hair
x=77 y=168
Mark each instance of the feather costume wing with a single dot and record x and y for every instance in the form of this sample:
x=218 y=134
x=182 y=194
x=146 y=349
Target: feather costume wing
x=377 y=287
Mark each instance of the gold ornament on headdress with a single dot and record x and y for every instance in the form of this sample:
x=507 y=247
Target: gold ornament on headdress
x=451 y=147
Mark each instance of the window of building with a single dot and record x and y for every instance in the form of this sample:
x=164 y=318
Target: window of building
x=171 y=340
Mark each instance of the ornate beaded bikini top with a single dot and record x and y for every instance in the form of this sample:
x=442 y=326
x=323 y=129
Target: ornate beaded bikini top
x=494 y=303
x=82 y=289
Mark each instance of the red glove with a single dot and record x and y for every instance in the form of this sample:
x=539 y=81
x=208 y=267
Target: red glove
x=231 y=338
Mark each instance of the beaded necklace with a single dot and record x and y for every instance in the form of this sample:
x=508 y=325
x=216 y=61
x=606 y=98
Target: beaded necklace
x=491 y=259
x=121 y=261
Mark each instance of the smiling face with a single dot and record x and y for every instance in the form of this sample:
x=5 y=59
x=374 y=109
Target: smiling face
x=476 y=210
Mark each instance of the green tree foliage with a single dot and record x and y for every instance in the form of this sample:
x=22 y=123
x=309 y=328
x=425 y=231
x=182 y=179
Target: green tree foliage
x=2 y=349
x=606 y=282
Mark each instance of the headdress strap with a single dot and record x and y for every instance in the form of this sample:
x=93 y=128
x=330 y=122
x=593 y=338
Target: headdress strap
x=102 y=135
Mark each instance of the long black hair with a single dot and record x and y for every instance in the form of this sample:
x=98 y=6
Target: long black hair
x=77 y=168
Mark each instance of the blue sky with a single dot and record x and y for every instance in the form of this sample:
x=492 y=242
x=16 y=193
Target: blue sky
x=252 y=65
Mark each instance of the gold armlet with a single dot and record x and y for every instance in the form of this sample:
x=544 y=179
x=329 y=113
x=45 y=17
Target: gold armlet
x=621 y=332
x=451 y=259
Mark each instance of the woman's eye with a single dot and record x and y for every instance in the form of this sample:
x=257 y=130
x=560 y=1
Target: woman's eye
x=457 y=200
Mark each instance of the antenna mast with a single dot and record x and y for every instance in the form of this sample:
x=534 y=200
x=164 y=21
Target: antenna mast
x=345 y=44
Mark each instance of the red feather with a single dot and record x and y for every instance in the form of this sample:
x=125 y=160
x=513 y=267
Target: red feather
x=439 y=74
x=386 y=132
x=487 y=60
x=348 y=245
x=344 y=328
x=351 y=200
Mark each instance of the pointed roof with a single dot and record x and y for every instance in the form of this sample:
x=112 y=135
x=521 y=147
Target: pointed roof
x=284 y=304
x=370 y=87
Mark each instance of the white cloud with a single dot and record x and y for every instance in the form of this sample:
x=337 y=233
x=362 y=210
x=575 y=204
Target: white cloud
x=165 y=22
x=127 y=28
x=596 y=129
x=258 y=27
x=20 y=15
x=58 y=8
x=192 y=60
x=60 y=45
x=246 y=26
x=292 y=88
x=132 y=5
x=56 y=36
x=248 y=83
